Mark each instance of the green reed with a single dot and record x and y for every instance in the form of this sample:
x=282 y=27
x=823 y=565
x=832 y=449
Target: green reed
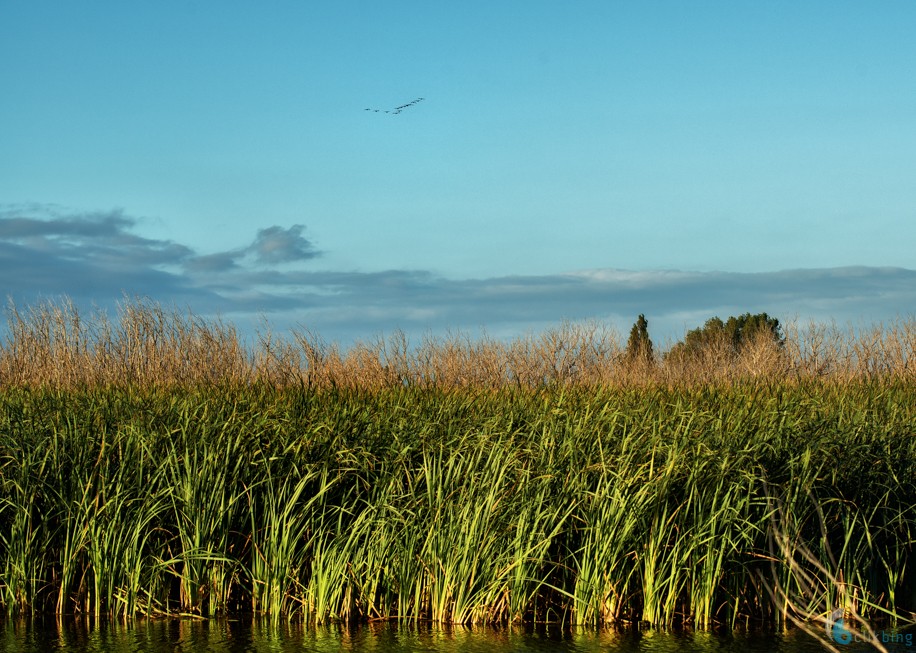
x=566 y=504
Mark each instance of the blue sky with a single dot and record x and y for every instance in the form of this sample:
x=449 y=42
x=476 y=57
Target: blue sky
x=568 y=160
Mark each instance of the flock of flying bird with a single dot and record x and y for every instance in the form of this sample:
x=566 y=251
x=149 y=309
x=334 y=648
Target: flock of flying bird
x=399 y=109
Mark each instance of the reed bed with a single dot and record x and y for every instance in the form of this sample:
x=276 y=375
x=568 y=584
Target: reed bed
x=170 y=476
x=52 y=344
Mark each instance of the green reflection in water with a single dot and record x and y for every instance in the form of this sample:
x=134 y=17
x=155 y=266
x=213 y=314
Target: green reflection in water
x=182 y=636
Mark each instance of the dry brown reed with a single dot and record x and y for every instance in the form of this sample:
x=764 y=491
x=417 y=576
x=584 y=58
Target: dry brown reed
x=850 y=353
x=52 y=344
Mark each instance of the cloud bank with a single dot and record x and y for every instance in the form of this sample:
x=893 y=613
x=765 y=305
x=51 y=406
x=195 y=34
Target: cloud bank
x=95 y=259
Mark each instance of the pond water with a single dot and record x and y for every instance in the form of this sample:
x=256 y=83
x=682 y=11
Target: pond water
x=183 y=636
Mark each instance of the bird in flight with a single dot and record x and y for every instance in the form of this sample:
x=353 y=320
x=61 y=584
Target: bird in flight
x=399 y=109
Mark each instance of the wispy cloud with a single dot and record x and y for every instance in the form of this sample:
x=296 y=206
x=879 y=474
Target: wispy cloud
x=95 y=258
x=45 y=251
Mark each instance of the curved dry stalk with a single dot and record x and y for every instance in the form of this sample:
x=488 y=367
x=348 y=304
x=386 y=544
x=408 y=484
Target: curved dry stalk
x=823 y=603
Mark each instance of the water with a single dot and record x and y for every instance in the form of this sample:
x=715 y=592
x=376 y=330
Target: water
x=183 y=636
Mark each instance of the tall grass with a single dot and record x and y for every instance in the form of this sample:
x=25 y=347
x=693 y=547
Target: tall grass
x=53 y=344
x=541 y=480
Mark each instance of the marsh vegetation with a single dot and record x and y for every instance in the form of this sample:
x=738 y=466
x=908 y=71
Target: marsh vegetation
x=157 y=466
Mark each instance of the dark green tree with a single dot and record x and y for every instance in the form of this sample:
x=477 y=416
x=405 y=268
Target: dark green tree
x=733 y=333
x=639 y=345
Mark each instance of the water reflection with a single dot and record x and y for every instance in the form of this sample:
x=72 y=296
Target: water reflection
x=227 y=636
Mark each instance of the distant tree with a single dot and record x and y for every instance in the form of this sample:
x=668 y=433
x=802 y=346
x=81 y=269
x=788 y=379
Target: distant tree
x=742 y=329
x=734 y=333
x=639 y=345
